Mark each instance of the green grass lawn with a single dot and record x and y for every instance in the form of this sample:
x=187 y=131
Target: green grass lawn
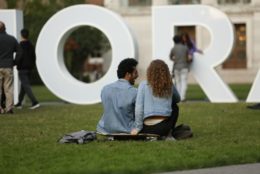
x=241 y=91
x=223 y=134
x=194 y=92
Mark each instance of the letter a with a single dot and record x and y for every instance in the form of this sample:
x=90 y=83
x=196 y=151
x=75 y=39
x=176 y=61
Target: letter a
x=254 y=94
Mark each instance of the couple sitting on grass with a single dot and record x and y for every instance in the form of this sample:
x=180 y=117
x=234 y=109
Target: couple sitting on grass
x=150 y=109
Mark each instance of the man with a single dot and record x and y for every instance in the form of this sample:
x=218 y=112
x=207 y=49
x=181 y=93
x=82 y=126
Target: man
x=8 y=46
x=118 y=100
x=25 y=64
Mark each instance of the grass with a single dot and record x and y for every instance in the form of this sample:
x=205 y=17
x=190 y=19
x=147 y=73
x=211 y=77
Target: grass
x=195 y=92
x=223 y=134
x=43 y=94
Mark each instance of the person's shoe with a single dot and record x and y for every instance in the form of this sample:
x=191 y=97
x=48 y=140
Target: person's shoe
x=170 y=138
x=35 y=105
x=18 y=106
x=256 y=106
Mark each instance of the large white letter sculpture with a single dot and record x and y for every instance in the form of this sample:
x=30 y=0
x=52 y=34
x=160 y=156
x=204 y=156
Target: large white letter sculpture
x=49 y=49
x=222 y=38
x=254 y=94
x=13 y=20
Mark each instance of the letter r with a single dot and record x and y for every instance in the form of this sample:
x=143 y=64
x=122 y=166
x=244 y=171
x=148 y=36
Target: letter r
x=222 y=38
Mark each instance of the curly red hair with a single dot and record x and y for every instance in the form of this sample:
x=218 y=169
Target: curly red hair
x=159 y=78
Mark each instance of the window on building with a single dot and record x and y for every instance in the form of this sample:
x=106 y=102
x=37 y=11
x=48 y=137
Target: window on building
x=234 y=1
x=96 y=2
x=238 y=57
x=190 y=30
x=139 y=2
x=183 y=1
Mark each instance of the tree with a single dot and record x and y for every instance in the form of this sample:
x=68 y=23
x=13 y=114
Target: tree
x=38 y=12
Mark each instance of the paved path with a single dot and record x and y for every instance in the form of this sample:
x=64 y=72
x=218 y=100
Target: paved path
x=234 y=169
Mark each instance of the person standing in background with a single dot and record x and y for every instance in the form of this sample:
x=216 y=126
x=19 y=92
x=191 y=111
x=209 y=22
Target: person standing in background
x=8 y=46
x=25 y=64
x=186 y=40
x=180 y=56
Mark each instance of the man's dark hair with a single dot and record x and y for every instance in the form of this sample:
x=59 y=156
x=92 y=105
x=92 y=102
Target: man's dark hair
x=126 y=66
x=177 y=39
x=25 y=33
x=2 y=27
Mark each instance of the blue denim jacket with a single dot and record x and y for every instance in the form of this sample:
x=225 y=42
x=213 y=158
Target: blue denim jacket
x=149 y=105
x=118 y=101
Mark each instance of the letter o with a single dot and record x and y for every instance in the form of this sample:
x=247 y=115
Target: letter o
x=50 y=43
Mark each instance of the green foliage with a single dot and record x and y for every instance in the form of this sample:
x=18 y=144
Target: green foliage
x=92 y=41
x=36 y=14
x=11 y=4
x=88 y=42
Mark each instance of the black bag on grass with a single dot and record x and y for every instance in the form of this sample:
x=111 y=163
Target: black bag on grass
x=182 y=131
x=80 y=137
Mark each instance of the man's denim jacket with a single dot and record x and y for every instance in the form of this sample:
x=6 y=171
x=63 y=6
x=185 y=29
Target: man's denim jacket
x=118 y=101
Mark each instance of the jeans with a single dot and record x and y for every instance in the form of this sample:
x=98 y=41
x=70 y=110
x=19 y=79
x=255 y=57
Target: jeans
x=26 y=87
x=163 y=128
x=181 y=78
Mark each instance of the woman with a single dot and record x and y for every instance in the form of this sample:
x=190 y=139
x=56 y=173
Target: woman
x=156 y=111
x=186 y=40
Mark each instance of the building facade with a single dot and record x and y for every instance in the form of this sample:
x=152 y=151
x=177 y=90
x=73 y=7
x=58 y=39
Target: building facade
x=243 y=63
x=240 y=67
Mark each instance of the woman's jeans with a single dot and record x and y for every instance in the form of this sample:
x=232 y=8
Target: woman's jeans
x=163 y=128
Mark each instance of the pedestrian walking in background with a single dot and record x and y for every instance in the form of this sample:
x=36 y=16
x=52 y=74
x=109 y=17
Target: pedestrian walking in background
x=180 y=56
x=25 y=64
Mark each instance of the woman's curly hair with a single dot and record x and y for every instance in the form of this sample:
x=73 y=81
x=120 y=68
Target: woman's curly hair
x=159 y=78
